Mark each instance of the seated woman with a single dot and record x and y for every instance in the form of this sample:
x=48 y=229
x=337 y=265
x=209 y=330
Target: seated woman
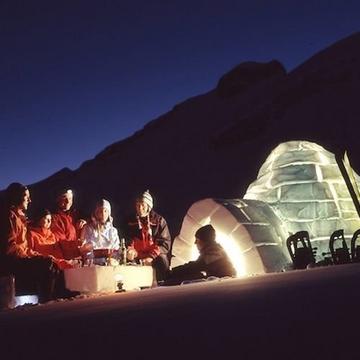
x=99 y=233
x=42 y=240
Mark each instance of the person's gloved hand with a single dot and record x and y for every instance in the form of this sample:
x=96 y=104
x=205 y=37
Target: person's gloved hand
x=85 y=248
x=65 y=264
x=80 y=224
x=131 y=253
x=147 y=261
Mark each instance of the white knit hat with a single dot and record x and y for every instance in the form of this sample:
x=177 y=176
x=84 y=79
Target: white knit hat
x=104 y=203
x=147 y=198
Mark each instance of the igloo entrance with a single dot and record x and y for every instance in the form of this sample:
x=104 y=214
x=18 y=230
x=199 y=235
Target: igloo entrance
x=249 y=231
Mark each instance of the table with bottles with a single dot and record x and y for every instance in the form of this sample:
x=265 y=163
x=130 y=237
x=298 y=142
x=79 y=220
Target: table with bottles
x=99 y=278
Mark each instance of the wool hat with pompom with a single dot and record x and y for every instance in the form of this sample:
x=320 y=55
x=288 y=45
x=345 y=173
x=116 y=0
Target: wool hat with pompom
x=146 y=198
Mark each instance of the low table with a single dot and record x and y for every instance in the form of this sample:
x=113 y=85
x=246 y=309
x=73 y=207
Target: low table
x=96 y=278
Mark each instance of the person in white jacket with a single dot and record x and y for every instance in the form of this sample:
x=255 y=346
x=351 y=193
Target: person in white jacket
x=99 y=232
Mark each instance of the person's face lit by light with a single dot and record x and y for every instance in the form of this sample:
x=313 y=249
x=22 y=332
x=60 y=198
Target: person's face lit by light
x=65 y=201
x=102 y=214
x=25 y=201
x=45 y=222
x=142 y=208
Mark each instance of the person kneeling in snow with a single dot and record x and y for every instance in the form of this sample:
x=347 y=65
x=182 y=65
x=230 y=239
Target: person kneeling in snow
x=213 y=260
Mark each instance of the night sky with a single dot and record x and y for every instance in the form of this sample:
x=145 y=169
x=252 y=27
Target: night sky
x=77 y=76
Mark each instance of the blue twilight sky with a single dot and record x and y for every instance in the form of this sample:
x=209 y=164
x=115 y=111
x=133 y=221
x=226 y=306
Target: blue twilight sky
x=76 y=76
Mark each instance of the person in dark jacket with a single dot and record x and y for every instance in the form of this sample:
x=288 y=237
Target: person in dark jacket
x=212 y=261
x=33 y=271
x=147 y=236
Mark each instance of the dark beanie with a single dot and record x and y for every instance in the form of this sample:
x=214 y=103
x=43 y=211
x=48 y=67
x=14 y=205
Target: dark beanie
x=206 y=233
x=14 y=193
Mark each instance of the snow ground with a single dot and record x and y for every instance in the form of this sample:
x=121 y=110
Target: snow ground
x=300 y=314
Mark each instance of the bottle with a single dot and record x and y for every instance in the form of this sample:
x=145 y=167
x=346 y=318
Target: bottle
x=123 y=252
x=108 y=258
x=89 y=258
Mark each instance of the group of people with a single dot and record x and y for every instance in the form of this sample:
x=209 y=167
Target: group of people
x=36 y=252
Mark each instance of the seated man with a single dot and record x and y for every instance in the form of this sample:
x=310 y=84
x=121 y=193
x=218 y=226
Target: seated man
x=66 y=225
x=33 y=272
x=213 y=260
x=148 y=236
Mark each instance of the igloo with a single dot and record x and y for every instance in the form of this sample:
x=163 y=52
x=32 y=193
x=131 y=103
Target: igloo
x=249 y=231
x=299 y=187
x=302 y=183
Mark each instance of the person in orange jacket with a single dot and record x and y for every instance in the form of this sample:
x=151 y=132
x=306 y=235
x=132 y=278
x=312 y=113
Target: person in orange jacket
x=42 y=240
x=31 y=270
x=66 y=226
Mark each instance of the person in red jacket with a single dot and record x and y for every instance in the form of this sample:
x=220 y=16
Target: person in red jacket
x=32 y=271
x=42 y=240
x=148 y=237
x=66 y=226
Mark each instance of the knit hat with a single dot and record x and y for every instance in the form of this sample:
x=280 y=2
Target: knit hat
x=146 y=198
x=105 y=204
x=102 y=204
x=206 y=233
x=14 y=193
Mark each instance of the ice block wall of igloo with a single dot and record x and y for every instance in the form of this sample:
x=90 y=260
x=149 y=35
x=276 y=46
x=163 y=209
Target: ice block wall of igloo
x=249 y=231
x=303 y=184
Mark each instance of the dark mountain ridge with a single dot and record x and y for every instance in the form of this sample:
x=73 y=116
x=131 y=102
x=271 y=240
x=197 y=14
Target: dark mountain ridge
x=213 y=145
